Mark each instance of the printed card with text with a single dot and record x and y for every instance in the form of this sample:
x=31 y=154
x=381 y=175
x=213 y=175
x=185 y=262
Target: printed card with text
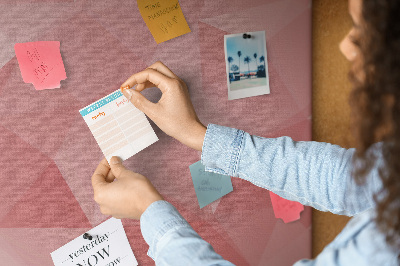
x=119 y=128
x=108 y=246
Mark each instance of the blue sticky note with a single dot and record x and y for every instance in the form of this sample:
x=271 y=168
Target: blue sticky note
x=209 y=186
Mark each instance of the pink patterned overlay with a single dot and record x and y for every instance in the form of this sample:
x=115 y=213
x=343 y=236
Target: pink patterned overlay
x=48 y=153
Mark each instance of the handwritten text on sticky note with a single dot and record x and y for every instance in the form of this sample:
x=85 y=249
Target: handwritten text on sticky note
x=287 y=210
x=41 y=64
x=209 y=186
x=164 y=18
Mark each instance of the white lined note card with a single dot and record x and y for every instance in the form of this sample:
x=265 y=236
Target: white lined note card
x=119 y=128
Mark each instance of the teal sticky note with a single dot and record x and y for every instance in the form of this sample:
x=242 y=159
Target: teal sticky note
x=209 y=186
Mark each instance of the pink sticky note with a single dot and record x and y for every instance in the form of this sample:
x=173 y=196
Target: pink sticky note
x=41 y=63
x=287 y=210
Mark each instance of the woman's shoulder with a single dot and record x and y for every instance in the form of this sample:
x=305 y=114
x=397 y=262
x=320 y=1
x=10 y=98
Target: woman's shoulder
x=362 y=240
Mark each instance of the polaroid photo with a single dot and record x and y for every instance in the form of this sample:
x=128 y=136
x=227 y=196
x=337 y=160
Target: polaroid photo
x=246 y=64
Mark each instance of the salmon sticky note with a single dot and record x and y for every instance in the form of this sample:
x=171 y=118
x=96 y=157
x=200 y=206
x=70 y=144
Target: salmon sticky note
x=287 y=210
x=164 y=18
x=41 y=63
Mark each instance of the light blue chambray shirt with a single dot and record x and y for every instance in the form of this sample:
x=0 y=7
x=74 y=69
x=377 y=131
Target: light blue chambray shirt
x=313 y=173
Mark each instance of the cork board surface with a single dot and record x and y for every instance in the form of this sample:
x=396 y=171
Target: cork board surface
x=331 y=89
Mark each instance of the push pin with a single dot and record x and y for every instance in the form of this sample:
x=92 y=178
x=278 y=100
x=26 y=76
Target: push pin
x=246 y=36
x=87 y=236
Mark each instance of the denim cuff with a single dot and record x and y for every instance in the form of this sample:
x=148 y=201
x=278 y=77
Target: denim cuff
x=159 y=218
x=221 y=151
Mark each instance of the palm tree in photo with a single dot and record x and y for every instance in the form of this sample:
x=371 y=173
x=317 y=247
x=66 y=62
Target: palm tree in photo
x=262 y=59
x=234 y=68
x=247 y=60
x=239 y=54
x=255 y=58
x=230 y=59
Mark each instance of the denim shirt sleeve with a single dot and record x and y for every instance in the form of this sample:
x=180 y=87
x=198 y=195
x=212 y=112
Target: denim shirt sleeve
x=172 y=241
x=313 y=173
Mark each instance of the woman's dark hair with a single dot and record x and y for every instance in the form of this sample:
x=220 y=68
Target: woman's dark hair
x=376 y=106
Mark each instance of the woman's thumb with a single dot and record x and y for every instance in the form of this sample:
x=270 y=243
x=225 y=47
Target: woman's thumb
x=138 y=100
x=116 y=166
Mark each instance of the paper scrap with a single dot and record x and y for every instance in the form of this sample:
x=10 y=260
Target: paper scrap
x=108 y=246
x=287 y=210
x=41 y=64
x=164 y=19
x=209 y=186
x=119 y=128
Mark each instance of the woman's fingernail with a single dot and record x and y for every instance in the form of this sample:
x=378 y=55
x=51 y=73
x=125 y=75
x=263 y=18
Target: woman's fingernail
x=129 y=93
x=124 y=88
x=115 y=160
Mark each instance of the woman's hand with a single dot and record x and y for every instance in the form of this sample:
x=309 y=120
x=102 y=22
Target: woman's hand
x=128 y=196
x=173 y=113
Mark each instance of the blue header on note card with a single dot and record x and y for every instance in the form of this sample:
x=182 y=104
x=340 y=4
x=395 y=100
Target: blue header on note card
x=100 y=103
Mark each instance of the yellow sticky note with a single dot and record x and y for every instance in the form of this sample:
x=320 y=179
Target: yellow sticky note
x=164 y=18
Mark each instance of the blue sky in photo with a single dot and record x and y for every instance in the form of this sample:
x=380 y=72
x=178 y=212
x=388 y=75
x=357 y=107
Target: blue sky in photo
x=248 y=47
